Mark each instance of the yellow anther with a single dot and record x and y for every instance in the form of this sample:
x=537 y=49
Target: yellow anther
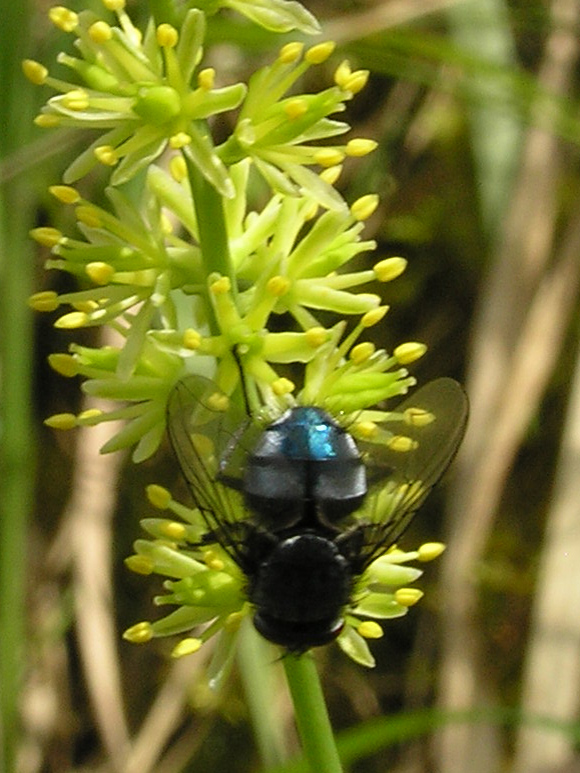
x=329 y=156
x=374 y=316
x=418 y=417
x=72 y=320
x=167 y=36
x=213 y=560
x=174 y=530
x=409 y=352
x=342 y=74
x=370 y=630
x=233 y=621
x=178 y=168
x=65 y=193
x=191 y=339
x=61 y=421
x=139 y=633
x=179 y=140
x=366 y=430
x=402 y=444
x=430 y=550
x=47 y=300
x=87 y=307
x=100 y=32
x=364 y=207
x=34 y=71
x=101 y=273
x=320 y=52
x=76 y=99
x=407 y=597
x=295 y=108
x=331 y=174
x=361 y=352
x=283 y=386
x=278 y=286
x=114 y=5
x=106 y=154
x=158 y=496
x=63 y=364
x=206 y=78
x=186 y=647
x=291 y=52
x=390 y=268
x=218 y=402
x=356 y=81
x=316 y=336
x=140 y=564
x=47 y=121
x=221 y=286
x=360 y=147
x=47 y=236
x=63 y=18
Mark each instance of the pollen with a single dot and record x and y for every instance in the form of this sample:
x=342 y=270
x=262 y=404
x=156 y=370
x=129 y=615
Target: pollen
x=390 y=268
x=61 y=421
x=370 y=630
x=101 y=273
x=295 y=108
x=283 y=386
x=430 y=550
x=65 y=193
x=362 y=352
x=278 y=286
x=140 y=633
x=320 y=52
x=63 y=18
x=178 y=168
x=72 y=321
x=206 y=79
x=106 y=154
x=374 y=316
x=47 y=300
x=409 y=352
x=186 y=647
x=364 y=207
x=63 y=364
x=167 y=36
x=407 y=597
x=140 y=564
x=34 y=71
x=47 y=236
x=158 y=496
x=360 y=147
x=328 y=156
x=100 y=32
x=402 y=444
x=191 y=339
x=76 y=99
x=180 y=140
x=291 y=52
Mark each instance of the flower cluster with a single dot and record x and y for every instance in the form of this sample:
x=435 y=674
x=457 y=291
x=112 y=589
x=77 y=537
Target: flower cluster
x=195 y=274
x=208 y=588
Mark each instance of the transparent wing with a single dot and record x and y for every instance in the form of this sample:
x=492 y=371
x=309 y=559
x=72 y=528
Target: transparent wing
x=203 y=426
x=411 y=452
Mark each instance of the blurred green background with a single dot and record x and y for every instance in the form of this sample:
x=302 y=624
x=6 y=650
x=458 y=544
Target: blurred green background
x=474 y=105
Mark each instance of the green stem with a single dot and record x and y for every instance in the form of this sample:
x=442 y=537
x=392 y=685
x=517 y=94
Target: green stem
x=312 y=719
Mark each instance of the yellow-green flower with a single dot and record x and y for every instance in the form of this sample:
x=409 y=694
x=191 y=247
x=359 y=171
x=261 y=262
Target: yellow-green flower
x=209 y=591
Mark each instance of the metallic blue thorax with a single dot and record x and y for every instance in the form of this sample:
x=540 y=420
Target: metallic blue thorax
x=308 y=434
